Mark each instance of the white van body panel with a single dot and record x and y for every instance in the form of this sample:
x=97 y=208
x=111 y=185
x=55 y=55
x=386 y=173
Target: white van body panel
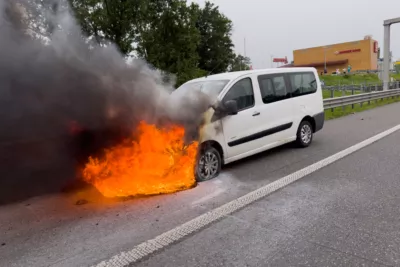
x=264 y=125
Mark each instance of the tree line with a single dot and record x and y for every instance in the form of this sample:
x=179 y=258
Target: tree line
x=173 y=36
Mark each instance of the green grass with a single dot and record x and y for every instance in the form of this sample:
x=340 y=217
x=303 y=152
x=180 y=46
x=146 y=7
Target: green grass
x=396 y=76
x=332 y=80
x=340 y=112
x=327 y=93
x=356 y=79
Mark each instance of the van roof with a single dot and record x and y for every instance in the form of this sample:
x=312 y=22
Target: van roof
x=236 y=74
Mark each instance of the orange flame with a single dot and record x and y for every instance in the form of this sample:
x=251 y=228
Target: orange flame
x=158 y=162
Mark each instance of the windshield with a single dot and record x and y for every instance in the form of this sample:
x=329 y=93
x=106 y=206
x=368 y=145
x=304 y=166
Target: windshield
x=208 y=87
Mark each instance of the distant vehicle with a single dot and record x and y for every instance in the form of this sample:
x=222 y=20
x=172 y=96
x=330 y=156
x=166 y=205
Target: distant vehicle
x=256 y=110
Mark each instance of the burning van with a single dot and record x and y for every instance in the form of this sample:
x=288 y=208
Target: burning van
x=255 y=111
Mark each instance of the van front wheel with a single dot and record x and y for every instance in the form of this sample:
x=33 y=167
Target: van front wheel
x=304 y=134
x=208 y=165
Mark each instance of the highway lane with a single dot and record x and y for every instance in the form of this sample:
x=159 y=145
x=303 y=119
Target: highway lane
x=53 y=231
x=346 y=214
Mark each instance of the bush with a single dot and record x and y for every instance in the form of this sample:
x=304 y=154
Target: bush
x=397 y=68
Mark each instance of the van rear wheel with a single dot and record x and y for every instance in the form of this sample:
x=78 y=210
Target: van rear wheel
x=304 y=134
x=208 y=165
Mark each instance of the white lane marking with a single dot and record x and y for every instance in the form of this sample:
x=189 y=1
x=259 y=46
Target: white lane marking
x=148 y=247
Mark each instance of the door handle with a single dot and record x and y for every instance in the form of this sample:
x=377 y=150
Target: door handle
x=256 y=113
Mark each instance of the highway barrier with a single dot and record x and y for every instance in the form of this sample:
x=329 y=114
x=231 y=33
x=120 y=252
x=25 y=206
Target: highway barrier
x=343 y=101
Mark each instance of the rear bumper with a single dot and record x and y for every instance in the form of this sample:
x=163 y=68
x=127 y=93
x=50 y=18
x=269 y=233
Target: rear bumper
x=319 y=121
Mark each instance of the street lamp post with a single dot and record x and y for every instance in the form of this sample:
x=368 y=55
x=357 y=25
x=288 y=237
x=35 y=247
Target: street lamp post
x=386 y=52
x=272 y=61
x=325 y=71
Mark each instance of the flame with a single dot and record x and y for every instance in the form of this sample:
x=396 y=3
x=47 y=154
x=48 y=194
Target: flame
x=157 y=162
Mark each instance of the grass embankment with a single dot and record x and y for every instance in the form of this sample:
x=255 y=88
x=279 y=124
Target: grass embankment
x=333 y=80
x=396 y=76
x=355 y=79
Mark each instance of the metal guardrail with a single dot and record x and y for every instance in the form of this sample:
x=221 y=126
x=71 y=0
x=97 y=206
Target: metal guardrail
x=359 y=98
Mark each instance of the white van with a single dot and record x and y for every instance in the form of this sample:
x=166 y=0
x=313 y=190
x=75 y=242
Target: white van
x=257 y=110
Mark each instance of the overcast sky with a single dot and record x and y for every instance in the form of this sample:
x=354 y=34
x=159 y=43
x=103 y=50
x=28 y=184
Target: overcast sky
x=277 y=27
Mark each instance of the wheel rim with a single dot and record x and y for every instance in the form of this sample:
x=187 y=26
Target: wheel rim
x=208 y=165
x=306 y=133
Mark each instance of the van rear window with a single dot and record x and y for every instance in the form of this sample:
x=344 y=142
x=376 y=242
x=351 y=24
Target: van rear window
x=302 y=83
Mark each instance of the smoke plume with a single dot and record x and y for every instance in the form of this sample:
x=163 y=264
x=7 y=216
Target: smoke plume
x=68 y=99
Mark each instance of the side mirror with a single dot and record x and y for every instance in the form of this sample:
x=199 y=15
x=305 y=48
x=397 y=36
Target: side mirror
x=230 y=107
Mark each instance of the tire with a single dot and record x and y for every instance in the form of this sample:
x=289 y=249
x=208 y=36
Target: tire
x=205 y=172
x=304 y=134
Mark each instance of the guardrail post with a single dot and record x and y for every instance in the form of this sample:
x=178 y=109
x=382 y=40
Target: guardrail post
x=343 y=94
x=332 y=96
x=397 y=87
x=370 y=91
x=342 y=88
x=383 y=97
x=352 y=93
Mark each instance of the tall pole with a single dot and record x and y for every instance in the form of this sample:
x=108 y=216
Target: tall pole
x=245 y=47
x=386 y=52
x=386 y=55
x=325 y=70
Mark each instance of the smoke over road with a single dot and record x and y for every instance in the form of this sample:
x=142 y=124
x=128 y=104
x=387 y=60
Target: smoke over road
x=64 y=101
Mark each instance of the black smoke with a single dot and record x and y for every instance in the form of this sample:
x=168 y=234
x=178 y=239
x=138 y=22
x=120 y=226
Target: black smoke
x=66 y=99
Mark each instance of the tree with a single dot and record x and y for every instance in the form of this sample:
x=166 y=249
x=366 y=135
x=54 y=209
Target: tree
x=215 y=49
x=169 y=38
x=397 y=67
x=239 y=62
x=162 y=32
x=36 y=16
x=170 y=35
x=110 y=21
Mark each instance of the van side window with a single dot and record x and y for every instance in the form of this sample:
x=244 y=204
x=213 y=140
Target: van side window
x=273 y=88
x=302 y=83
x=242 y=92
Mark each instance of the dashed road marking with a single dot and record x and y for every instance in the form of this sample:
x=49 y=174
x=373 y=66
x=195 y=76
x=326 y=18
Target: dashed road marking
x=149 y=247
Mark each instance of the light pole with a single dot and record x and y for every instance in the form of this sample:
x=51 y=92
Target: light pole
x=386 y=52
x=244 y=44
x=325 y=71
x=244 y=48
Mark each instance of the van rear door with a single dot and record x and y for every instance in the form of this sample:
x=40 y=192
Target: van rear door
x=306 y=93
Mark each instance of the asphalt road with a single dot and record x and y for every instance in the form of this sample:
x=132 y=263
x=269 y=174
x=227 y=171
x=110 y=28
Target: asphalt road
x=346 y=214
x=54 y=231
